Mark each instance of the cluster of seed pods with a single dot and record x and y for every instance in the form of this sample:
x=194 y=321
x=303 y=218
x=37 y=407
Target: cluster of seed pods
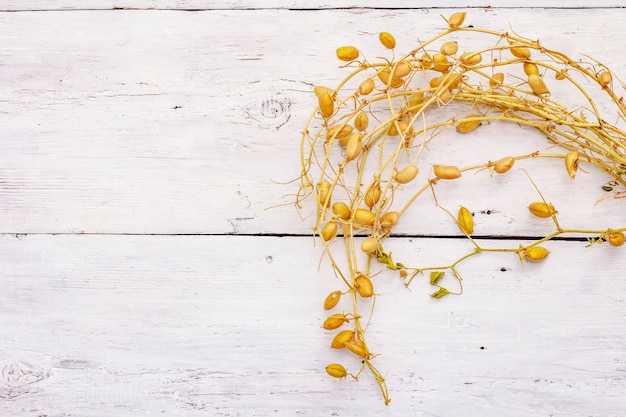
x=361 y=149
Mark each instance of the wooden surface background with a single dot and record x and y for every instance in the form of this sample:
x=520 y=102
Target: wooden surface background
x=142 y=271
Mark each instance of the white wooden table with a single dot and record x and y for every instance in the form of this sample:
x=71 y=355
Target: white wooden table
x=142 y=273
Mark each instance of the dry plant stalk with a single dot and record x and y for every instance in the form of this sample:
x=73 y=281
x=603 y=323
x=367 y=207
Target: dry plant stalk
x=361 y=146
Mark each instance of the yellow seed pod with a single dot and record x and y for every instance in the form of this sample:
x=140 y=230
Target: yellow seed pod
x=441 y=63
x=456 y=20
x=531 y=68
x=541 y=209
x=332 y=300
x=353 y=147
x=407 y=174
x=402 y=69
x=364 y=217
x=361 y=121
x=387 y=40
x=470 y=59
x=401 y=126
x=366 y=87
x=444 y=95
x=416 y=99
x=372 y=195
x=385 y=77
x=560 y=75
x=496 y=80
x=343 y=141
x=571 y=163
x=605 y=78
x=336 y=370
x=347 y=53
x=435 y=82
x=357 y=349
x=466 y=221
x=363 y=285
x=449 y=48
x=503 y=165
x=329 y=231
x=370 y=245
x=446 y=172
x=341 y=339
x=451 y=80
x=320 y=89
x=535 y=254
x=338 y=132
x=520 y=52
x=616 y=238
x=341 y=210
x=468 y=123
x=323 y=193
x=389 y=219
x=327 y=106
x=537 y=85
x=335 y=321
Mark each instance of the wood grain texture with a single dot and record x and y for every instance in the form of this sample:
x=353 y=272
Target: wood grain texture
x=142 y=272
x=173 y=122
x=41 y=5
x=226 y=326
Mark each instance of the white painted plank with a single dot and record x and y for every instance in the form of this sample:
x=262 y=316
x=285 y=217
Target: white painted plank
x=169 y=122
x=223 y=326
x=29 y=5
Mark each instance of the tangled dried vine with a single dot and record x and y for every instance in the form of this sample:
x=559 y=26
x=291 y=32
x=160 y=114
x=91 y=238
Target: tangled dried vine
x=361 y=148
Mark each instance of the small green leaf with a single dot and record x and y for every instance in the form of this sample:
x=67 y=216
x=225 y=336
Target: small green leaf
x=442 y=292
x=435 y=277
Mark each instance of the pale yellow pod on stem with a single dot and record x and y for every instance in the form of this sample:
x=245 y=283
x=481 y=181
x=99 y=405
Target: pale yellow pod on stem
x=541 y=209
x=366 y=87
x=449 y=48
x=387 y=40
x=496 y=80
x=616 y=238
x=340 y=340
x=323 y=193
x=338 y=132
x=327 y=106
x=341 y=210
x=364 y=217
x=361 y=121
x=363 y=285
x=441 y=62
x=407 y=174
x=535 y=254
x=466 y=221
x=353 y=147
x=389 y=219
x=605 y=78
x=503 y=165
x=332 y=300
x=347 y=53
x=520 y=51
x=537 y=84
x=446 y=172
x=329 y=231
x=456 y=20
x=372 y=195
x=336 y=370
x=320 y=89
x=402 y=69
x=335 y=321
x=467 y=124
x=370 y=245
x=531 y=68
x=469 y=59
x=571 y=163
